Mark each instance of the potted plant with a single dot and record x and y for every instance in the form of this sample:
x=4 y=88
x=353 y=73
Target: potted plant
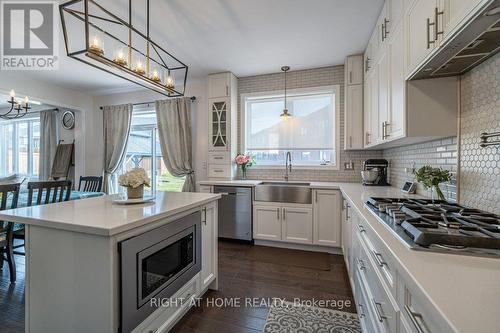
x=244 y=162
x=134 y=180
x=431 y=178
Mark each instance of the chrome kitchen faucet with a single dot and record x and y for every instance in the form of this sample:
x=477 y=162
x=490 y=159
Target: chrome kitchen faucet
x=288 y=165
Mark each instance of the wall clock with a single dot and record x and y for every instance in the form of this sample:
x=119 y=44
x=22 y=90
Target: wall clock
x=68 y=120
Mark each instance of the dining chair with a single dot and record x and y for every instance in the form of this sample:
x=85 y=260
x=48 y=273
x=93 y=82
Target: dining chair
x=42 y=193
x=9 y=194
x=90 y=184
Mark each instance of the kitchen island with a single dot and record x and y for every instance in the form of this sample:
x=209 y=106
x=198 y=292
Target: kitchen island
x=78 y=261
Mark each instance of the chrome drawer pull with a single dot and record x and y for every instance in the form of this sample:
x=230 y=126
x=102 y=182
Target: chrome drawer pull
x=360 y=228
x=378 y=311
x=378 y=258
x=413 y=317
x=361 y=264
x=361 y=312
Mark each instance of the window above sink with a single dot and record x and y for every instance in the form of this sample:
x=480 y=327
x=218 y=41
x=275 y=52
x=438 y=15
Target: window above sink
x=311 y=134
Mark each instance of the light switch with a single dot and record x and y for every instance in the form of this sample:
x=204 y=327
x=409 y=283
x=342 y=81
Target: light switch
x=349 y=165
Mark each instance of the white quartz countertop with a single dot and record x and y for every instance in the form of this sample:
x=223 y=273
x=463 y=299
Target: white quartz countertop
x=252 y=183
x=100 y=216
x=465 y=289
x=236 y=182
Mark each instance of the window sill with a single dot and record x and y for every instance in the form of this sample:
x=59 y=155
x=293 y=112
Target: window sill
x=296 y=167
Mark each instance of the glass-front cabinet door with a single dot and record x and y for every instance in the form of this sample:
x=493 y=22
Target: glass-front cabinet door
x=219 y=130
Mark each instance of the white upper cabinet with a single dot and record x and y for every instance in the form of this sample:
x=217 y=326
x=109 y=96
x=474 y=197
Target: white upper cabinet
x=354 y=70
x=372 y=126
x=366 y=112
x=353 y=119
x=395 y=14
x=219 y=85
x=383 y=95
x=421 y=31
x=396 y=126
x=454 y=11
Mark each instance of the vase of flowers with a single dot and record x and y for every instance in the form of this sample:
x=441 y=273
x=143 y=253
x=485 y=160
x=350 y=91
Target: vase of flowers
x=134 y=180
x=244 y=162
x=431 y=178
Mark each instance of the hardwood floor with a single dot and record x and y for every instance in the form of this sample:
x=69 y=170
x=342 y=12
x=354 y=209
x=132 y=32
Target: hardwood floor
x=240 y=276
x=12 y=298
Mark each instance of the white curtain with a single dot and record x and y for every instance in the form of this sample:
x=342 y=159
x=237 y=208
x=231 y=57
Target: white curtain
x=48 y=143
x=116 y=125
x=174 y=128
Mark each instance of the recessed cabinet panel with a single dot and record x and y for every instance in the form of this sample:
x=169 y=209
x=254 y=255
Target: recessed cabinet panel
x=454 y=12
x=219 y=123
x=327 y=215
x=297 y=225
x=420 y=31
x=383 y=95
x=267 y=222
x=396 y=127
x=219 y=85
x=209 y=246
x=354 y=117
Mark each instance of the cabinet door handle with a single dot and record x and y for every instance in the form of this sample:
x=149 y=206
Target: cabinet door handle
x=382 y=27
x=350 y=77
x=227 y=90
x=413 y=317
x=278 y=212
x=429 y=41
x=361 y=229
x=386 y=131
x=361 y=311
x=348 y=217
x=378 y=311
x=316 y=196
x=361 y=264
x=284 y=214
x=350 y=141
x=378 y=258
x=385 y=28
x=367 y=64
x=437 y=13
x=205 y=215
x=367 y=138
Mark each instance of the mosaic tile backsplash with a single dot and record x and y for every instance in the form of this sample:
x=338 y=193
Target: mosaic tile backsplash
x=480 y=167
x=316 y=77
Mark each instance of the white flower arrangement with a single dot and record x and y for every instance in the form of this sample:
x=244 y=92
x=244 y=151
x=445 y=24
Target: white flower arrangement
x=134 y=178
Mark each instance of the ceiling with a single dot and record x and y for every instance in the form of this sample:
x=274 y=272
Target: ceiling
x=245 y=37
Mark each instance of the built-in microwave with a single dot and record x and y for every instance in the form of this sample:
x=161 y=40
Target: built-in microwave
x=155 y=265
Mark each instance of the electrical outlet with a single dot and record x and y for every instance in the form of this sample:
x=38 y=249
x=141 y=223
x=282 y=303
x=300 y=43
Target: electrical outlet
x=349 y=165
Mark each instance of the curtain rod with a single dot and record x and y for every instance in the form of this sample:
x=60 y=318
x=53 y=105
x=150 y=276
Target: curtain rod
x=193 y=98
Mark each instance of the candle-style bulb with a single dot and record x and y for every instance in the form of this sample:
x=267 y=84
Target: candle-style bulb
x=12 y=93
x=26 y=100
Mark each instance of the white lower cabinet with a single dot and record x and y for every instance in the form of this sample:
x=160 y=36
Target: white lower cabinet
x=209 y=248
x=327 y=217
x=267 y=222
x=297 y=225
x=283 y=222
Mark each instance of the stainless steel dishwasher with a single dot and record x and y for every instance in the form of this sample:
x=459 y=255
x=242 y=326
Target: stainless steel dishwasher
x=235 y=212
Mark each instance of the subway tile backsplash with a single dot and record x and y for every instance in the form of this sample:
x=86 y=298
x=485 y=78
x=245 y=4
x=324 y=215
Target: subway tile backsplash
x=316 y=77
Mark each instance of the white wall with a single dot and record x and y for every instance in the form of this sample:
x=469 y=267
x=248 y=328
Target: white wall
x=62 y=97
x=199 y=122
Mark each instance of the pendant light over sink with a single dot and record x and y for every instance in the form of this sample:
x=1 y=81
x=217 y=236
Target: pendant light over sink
x=285 y=115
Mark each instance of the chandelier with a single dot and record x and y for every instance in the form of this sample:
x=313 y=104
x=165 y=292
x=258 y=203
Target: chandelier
x=97 y=37
x=18 y=108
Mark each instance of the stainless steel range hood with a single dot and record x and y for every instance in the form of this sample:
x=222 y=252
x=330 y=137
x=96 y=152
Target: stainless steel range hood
x=479 y=40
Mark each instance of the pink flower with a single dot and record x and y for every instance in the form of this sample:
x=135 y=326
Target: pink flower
x=240 y=159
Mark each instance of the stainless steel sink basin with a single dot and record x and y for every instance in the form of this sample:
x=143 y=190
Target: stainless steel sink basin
x=288 y=192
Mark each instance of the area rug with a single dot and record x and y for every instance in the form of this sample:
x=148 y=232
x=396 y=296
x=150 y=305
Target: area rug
x=288 y=318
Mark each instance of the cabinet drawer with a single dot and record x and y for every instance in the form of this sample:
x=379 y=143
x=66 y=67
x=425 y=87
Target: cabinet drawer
x=365 y=314
x=219 y=171
x=218 y=158
x=383 y=306
x=419 y=313
x=383 y=260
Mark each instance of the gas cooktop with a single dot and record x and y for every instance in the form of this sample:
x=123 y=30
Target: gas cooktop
x=440 y=226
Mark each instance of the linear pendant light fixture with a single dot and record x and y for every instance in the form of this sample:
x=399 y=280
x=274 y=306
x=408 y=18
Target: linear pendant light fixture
x=285 y=115
x=97 y=37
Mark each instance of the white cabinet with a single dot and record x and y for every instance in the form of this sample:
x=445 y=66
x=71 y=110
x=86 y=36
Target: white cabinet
x=222 y=125
x=205 y=189
x=371 y=124
x=297 y=225
x=353 y=119
x=219 y=85
x=346 y=234
x=396 y=126
x=395 y=13
x=421 y=31
x=267 y=222
x=354 y=70
x=383 y=95
x=454 y=12
x=290 y=223
x=327 y=218
x=209 y=250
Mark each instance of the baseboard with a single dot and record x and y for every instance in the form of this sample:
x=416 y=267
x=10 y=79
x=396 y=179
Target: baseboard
x=303 y=247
